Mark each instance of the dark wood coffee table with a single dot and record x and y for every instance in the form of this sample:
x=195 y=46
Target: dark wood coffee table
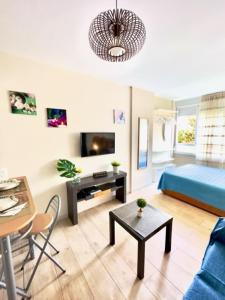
x=142 y=229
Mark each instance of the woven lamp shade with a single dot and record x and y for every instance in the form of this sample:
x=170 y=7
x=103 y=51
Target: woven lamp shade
x=117 y=35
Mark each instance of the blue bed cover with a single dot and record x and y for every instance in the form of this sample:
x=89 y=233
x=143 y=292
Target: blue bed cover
x=199 y=182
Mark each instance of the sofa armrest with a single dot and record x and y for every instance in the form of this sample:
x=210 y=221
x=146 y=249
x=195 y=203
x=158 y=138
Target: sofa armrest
x=218 y=233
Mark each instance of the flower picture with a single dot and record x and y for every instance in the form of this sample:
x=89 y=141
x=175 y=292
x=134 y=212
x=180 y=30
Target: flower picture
x=22 y=103
x=56 y=117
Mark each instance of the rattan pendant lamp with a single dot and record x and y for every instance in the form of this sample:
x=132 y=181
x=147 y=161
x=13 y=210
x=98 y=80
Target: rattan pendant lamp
x=116 y=35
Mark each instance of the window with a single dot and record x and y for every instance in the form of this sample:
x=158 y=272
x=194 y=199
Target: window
x=186 y=129
x=211 y=129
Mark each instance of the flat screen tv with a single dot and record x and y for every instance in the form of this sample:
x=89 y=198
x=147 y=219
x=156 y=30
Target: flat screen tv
x=97 y=143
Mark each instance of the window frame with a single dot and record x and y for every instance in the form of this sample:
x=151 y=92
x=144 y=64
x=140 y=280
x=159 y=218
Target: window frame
x=188 y=149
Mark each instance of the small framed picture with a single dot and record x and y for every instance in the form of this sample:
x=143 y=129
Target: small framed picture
x=119 y=116
x=56 y=117
x=22 y=103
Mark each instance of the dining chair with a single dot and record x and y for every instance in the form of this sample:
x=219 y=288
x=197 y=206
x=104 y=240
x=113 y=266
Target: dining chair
x=42 y=223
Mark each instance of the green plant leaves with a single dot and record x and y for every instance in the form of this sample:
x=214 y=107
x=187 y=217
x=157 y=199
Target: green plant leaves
x=141 y=202
x=115 y=163
x=67 y=168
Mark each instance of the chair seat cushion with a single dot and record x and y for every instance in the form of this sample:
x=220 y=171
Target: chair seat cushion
x=41 y=223
x=205 y=287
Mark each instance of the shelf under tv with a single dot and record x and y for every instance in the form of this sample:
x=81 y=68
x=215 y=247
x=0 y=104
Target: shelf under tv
x=101 y=188
x=85 y=190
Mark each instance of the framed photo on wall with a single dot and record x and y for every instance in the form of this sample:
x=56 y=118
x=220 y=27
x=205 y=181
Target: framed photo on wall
x=56 y=117
x=119 y=116
x=22 y=103
x=143 y=132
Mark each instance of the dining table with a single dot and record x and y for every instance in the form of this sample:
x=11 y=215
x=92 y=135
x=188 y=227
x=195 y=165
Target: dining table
x=10 y=225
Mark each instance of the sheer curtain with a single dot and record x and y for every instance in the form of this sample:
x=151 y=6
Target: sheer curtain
x=211 y=129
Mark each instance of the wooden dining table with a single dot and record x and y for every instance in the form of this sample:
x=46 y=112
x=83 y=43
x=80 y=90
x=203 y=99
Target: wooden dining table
x=11 y=225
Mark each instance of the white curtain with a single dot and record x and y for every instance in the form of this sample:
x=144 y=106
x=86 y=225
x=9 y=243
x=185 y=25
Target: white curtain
x=211 y=129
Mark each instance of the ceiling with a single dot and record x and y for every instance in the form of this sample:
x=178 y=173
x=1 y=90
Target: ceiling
x=183 y=57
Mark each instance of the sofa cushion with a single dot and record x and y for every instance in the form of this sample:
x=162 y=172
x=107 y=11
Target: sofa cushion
x=218 y=233
x=205 y=287
x=209 y=283
x=214 y=261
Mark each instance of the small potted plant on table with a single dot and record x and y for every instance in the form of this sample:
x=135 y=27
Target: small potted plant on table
x=115 y=165
x=68 y=170
x=141 y=203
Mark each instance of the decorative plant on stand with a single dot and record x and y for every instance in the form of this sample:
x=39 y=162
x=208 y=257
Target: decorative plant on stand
x=115 y=165
x=68 y=170
x=141 y=203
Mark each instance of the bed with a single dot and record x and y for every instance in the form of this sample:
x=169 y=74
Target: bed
x=198 y=185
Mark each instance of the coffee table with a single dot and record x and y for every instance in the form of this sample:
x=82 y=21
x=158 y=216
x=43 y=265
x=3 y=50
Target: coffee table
x=142 y=229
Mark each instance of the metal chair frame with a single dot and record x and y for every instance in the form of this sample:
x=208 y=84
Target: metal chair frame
x=21 y=292
x=55 y=204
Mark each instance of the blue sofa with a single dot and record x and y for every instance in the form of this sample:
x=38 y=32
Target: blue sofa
x=209 y=282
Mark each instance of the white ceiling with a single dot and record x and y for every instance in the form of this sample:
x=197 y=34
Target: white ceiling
x=184 y=54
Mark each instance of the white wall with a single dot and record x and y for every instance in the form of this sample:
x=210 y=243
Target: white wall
x=28 y=147
x=184 y=159
x=142 y=106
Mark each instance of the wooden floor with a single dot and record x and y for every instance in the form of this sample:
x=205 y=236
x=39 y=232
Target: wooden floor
x=97 y=271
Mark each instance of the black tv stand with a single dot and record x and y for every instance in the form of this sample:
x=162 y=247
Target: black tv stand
x=84 y=190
